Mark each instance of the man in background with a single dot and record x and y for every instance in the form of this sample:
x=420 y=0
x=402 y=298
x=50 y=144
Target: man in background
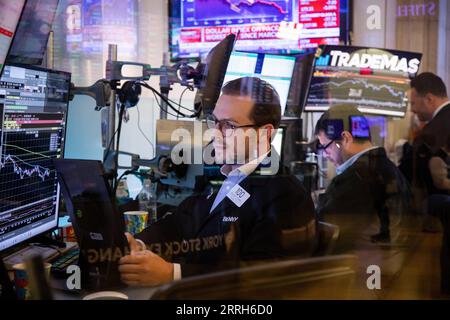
x=367 y=182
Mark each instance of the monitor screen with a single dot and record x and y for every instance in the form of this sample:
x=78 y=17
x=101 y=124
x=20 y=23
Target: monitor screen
x=275 y=69
x=277 y=141
x=30 y=43
x=377 y=126
x=360 y=127
x=278 y=26
x=10 y=12
x=374 y=80
x=33 y=109
x=213 y=74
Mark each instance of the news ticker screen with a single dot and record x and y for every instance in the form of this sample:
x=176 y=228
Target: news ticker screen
x=278 y=26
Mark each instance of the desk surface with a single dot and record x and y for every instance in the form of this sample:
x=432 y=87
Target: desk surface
x=133 y=293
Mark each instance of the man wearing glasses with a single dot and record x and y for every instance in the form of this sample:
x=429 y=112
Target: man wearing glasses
x=367 y=182
x=253 y=215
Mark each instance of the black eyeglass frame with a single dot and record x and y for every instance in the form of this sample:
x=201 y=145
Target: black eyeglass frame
x=212 y=121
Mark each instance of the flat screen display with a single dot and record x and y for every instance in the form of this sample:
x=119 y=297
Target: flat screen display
x=277 y=26
x=10 y=12
x=277 y=70
x=374 y=80
x=33 y=31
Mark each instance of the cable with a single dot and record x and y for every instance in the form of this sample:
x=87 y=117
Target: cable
x=119 y=131
x=159 y=105
x=167 y=101
x=178 y=104
x=142 y=132
x=108 y=150
x=194 y=115
x=181 y=98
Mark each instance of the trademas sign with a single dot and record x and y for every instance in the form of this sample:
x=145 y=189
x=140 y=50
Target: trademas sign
x=368 y=58
x=375 y=80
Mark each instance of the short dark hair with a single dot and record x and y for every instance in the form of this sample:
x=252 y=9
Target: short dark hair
x=428 y=82
x=266 y=108
x=337 y=120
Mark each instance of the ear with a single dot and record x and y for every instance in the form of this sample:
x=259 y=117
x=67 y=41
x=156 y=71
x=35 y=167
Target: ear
x=346 y=137
x=429 y=98
x=265 y=134
x=270 y=130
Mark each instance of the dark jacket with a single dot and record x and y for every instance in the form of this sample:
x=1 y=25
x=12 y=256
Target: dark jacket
x=433 y=137
x=372 y=185
x=204 y=242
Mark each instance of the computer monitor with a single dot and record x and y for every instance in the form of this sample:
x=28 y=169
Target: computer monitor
x=276 y=26
x=378 y=126
x=359 y=127
x=98 y=224
x=275 y=69
x=33 y=31
x=374 y=80
x=10 y=12
x=213 y=72
x=33 y=111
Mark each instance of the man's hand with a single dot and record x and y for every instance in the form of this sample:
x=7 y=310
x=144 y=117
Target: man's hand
x=134 y=245
x=143 y=267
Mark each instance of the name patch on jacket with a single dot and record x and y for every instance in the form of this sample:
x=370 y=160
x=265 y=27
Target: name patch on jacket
x=230 y=219
x=238 y=195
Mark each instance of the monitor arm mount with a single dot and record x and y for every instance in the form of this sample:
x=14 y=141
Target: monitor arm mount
x=101 y=91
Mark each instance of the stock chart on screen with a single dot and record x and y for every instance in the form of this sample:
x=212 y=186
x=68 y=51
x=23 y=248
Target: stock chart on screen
x=33 y=108
x=201 y=13
x=374 y=80
x=278 y=26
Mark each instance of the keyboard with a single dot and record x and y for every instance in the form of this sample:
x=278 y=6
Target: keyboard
x=21 y=256
x=62 y=262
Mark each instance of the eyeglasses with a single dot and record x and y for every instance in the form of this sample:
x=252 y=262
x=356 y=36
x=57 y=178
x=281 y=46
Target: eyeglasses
x=224 y=126
x=324 y=147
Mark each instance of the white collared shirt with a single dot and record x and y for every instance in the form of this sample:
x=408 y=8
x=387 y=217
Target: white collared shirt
x=234 y=177
x=440 y=109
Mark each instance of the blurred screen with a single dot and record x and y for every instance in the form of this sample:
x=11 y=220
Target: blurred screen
x=84 y=29
x=275 y=69
x=10 y=12
x=34 y=29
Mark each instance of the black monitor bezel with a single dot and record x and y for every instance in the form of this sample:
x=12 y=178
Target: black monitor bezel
x=14 y=247
x=30 y=61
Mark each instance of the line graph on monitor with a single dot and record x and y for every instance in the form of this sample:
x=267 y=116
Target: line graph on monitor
x=326 y=91
x=26 y=169
x=236 y=5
